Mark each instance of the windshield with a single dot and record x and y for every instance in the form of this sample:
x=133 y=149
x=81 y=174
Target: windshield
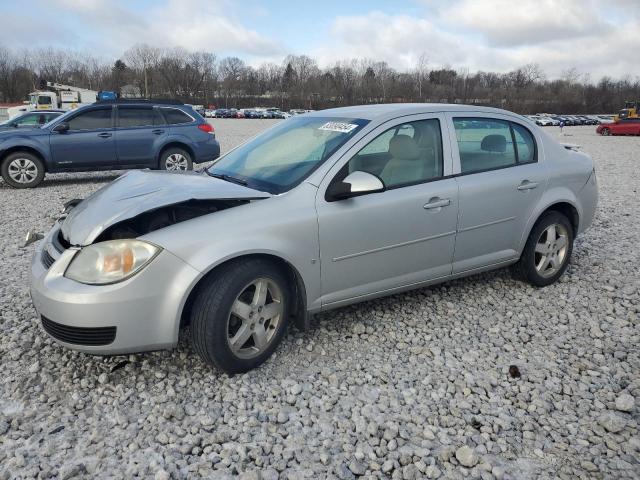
x=286 y=154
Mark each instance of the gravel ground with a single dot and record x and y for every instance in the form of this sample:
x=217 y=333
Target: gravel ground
x=416 y=385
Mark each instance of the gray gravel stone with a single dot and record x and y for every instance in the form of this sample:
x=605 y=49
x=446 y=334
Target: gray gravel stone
x=466 y=456
x=612 y=422
x=625 y=402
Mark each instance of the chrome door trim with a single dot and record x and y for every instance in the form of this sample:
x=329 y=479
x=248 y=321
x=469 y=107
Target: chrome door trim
x=488 y=224
x=396 y=245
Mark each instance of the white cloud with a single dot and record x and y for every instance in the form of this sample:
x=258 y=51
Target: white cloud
x=191 y=24
x=506 y=23
x=485 y=45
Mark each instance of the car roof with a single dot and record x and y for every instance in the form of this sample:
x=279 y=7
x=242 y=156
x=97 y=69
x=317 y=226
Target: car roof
x=391 y=110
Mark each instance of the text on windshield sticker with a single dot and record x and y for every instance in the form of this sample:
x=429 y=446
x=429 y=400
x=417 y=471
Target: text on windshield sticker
x=338 y=127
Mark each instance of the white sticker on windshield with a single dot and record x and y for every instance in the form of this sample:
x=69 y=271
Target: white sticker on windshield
x=338 y=127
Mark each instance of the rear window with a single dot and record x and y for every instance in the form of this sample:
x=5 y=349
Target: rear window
x=175 y=116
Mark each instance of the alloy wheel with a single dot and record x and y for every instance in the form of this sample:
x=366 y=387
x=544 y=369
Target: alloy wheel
x=255 y=316
x=22 y=170
x=551 y=250
x=176 y=162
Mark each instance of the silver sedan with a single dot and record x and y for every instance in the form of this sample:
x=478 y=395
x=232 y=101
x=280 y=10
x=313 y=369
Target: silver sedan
x=323 y=210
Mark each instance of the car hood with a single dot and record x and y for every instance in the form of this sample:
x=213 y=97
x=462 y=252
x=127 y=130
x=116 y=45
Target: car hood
x=8 y=132
x=137 y=192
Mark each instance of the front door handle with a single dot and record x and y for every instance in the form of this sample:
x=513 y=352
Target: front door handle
x=527 y=185
x=437 y=202
x=157 y=131
x=104 y=135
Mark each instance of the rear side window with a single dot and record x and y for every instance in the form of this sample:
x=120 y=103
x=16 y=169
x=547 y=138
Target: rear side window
x=175 y=116
x=91 y=120
x=488 y=143
x=135 y=117
x=525 y=144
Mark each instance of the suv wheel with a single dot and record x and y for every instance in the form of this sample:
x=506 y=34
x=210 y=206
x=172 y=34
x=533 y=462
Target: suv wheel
x=240 y=316
x=22 y=170
x=176 y=160
x=547 y=252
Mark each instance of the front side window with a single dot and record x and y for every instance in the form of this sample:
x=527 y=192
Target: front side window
x=91 y=120
x=286 y=154
x=134 y=117
x=31 y=119
x=43 y=100
x=488 y=143
x=405 y=154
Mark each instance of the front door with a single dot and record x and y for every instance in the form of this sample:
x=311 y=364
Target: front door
x=89 y=142
x=403 y=236
x=500 y=183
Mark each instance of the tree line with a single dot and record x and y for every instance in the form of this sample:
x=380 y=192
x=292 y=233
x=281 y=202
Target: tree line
x=299 y=82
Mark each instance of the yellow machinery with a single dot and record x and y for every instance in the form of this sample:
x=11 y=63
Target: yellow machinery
x=630 y=110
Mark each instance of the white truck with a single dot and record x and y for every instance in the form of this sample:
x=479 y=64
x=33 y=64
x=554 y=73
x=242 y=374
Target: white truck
x=56 y=97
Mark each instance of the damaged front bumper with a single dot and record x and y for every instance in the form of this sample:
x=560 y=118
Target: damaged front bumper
x=141 y=313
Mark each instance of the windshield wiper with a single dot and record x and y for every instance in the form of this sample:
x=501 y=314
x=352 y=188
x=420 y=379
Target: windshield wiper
x=227 y=178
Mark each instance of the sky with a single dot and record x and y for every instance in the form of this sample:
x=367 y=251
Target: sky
x=595 y=37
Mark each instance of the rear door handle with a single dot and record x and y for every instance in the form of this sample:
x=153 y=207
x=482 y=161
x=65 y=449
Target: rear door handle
x=104 y=135
x=157 y=131
x=437 y=202
x=527 y=185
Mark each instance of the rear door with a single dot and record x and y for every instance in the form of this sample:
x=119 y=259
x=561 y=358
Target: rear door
x=89 y=142
x=139 y=130
x=501 y=177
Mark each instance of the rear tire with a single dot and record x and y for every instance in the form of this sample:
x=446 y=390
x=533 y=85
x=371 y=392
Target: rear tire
x=241 y=314
x=176 y=160
x=22 y=170
x=548 y=250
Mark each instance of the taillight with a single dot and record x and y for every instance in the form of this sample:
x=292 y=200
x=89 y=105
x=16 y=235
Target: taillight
x=206 y=127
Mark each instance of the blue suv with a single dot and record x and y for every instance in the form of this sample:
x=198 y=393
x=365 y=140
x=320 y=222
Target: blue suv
x=109 y=135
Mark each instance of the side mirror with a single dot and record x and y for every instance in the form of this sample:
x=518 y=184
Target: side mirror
x=61 y=127
x=355 y=184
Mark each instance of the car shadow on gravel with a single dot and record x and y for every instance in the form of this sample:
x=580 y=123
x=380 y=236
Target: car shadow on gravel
x=103 y=178
x=63 y=181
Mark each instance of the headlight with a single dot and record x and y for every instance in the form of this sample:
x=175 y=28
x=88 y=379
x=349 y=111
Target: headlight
x=111 y=261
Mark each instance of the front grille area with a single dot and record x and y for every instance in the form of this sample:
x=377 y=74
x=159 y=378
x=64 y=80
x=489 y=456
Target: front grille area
x=79 y=335
x=47 y=260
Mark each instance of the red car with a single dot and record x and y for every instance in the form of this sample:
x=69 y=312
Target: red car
x=624 y=126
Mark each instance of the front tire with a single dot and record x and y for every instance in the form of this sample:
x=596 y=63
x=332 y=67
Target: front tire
x=176 y=160
x=240 y=315
x=605 y=132
x=22 y=170
x=548 y=250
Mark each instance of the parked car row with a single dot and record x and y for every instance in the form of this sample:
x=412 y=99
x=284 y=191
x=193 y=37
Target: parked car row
x=109 y=135
x=568 y=120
